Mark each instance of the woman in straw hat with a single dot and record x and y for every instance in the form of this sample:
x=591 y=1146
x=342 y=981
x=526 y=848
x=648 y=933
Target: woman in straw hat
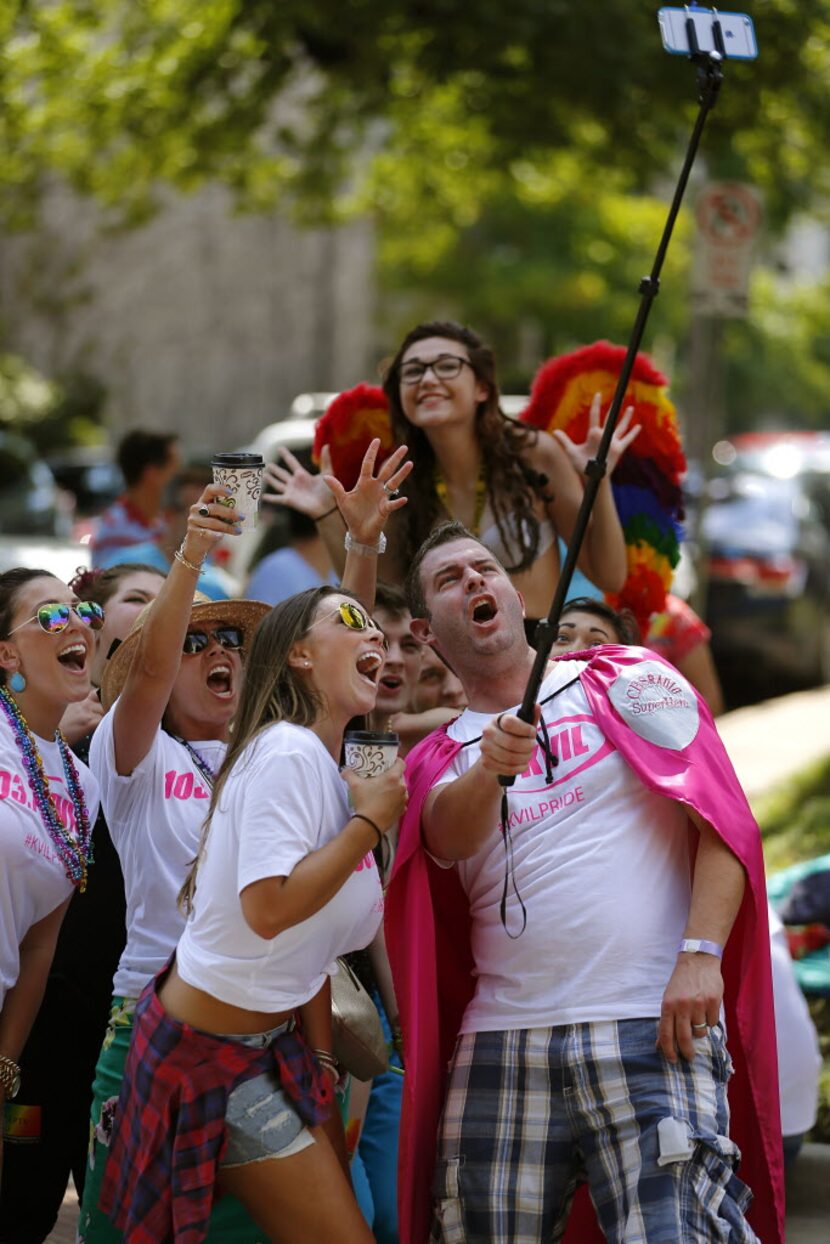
x=170 y=691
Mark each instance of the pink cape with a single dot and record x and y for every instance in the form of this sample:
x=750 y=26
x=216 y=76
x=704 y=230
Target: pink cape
x=428 y=938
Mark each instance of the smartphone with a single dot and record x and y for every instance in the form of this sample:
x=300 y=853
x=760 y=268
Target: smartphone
x=737 y=29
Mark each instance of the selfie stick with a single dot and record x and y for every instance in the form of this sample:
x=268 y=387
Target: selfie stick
x=709 y=78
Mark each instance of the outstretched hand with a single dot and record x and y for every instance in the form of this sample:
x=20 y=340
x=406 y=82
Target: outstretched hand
x=624 y=435
x=367 y=506
x=292 y=485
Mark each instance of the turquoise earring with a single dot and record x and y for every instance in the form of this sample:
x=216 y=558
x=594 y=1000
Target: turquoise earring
x=17 y=682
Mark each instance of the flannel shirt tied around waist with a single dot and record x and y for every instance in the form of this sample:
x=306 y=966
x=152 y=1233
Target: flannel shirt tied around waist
x=169 y=1131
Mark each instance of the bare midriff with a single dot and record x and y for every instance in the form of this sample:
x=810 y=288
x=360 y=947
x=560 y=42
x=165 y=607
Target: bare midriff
x=193 y=1006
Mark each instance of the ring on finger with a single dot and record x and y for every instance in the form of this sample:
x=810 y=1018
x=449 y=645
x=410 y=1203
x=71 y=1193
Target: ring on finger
x=204 y=511
x=700 y=1028
x=390 y=492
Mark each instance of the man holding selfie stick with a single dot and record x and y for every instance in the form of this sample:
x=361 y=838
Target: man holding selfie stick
x=557 y=945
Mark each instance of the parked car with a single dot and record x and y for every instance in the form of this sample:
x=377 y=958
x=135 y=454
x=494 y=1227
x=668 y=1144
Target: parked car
x=90 y=475
x=62 y=558
x=766 y=542
x=30 y=500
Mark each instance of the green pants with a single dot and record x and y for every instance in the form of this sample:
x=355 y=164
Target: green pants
x=229 y=1223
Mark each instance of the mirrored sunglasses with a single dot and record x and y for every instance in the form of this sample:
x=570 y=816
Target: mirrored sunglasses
x=352 y=616
x=230 y=637
x=54 y=617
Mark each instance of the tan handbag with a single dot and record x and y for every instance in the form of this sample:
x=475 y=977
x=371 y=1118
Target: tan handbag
x=359 y=1043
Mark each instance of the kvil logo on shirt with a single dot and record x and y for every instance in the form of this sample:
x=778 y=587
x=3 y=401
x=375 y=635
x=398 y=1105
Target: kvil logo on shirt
x=577 y=742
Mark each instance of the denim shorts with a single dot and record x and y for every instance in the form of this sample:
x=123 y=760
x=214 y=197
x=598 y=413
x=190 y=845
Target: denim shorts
x=260 y=1119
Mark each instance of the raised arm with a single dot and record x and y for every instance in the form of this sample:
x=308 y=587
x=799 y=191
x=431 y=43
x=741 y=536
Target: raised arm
x=158 y=655
x=603 y=555
x=316 y=496
x=365 y=511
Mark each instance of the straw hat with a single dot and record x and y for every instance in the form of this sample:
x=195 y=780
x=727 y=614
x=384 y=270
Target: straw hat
x=246 y=614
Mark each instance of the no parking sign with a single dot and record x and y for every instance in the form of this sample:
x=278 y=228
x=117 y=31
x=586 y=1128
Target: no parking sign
x=729 y=216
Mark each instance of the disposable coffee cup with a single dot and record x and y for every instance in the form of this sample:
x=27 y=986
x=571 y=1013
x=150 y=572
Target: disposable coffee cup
x=242 y=474
x=371 y=752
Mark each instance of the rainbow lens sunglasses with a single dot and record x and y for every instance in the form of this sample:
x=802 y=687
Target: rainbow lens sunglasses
x=229 y=637
x=53 y=618
x=352 y=616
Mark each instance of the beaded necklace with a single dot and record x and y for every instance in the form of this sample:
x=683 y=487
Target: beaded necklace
x=199 y=761
x=75 y=853
x=481 y=496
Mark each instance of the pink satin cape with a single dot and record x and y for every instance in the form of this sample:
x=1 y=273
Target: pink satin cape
x=428 y=939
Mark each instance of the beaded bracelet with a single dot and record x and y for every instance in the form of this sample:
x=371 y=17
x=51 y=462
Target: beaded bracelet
x=180 y=557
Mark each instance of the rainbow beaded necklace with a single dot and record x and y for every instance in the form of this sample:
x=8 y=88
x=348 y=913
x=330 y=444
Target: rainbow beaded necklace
x=75 y=852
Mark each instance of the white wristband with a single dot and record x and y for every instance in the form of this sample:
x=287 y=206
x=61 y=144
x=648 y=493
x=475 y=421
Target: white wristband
x=699 y=946
x=367 y=550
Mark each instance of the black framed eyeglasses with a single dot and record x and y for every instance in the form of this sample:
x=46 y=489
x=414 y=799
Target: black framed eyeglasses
x=354 y=617
x=53 y=618
x=445 y=367
x=229 y=637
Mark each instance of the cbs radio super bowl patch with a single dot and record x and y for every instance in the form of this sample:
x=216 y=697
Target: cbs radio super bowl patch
x=657 y=703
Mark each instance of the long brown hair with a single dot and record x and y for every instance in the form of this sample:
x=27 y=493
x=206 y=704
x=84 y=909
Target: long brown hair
x=271 y=691
x=512 y=486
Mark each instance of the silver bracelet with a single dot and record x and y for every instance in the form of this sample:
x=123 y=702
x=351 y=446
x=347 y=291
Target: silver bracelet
x=367 y=550
x=180 y=557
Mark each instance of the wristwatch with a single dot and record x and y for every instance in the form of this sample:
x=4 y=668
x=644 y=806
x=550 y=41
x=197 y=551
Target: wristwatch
x=9 y=1076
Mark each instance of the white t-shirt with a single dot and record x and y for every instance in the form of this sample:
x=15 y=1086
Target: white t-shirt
x=155 y=818
x=602 y=864
x=799 y=1056
x=33 y=881
x=284 y=799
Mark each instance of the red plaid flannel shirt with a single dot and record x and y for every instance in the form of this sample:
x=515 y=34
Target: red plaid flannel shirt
x=169 y=1130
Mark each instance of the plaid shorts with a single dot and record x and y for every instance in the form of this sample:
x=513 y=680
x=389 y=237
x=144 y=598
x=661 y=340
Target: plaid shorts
x=531 y=1112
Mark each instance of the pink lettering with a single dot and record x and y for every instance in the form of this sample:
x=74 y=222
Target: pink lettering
x=368 y=861
x=183 y=786
x=580 y=748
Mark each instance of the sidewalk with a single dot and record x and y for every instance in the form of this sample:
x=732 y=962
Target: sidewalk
x=769 y=742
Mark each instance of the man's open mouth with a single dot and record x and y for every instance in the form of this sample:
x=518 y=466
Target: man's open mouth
x=391 y=683
x=484 y=609
x=73 y=657
x=219 y=680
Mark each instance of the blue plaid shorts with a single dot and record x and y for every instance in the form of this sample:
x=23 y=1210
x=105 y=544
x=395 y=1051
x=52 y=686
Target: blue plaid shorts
x=532 y=1112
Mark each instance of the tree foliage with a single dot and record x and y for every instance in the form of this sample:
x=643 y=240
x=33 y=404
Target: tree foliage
x=283 y=99
x=509 y=152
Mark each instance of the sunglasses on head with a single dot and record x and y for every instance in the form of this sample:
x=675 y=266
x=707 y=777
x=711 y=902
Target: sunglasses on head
x=55 y=616
x=229 y=637
x=352 y=616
